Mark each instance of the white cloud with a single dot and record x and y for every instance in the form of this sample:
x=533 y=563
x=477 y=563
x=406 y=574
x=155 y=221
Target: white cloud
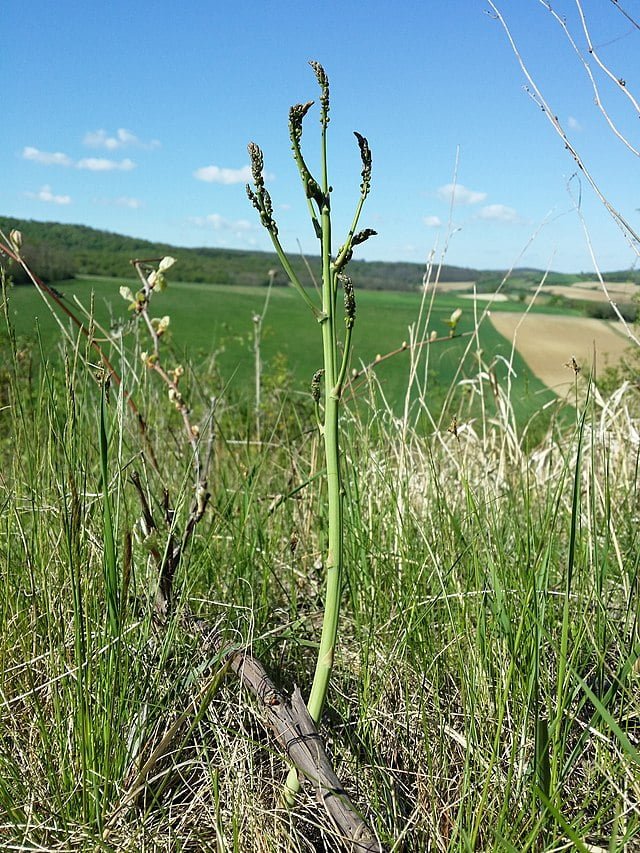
x=93 y=164
x=100 y=164
x=120 y=201
x=45 y=157
x=45 y=194
x=460 y=194
x=131 y=203
x=432 y=221
x=220 y=223
x=573 y=123
x=121 y=138
x=220 y=175
x=499 y=213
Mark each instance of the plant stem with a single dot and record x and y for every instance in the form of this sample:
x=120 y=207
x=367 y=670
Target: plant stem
x=334 y=559
x=335 y=362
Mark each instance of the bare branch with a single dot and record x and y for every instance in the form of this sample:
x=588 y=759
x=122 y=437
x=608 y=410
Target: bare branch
x=628 y=231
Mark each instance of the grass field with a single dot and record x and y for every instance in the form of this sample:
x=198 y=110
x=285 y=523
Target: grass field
x=486 y=685
x=209 y=319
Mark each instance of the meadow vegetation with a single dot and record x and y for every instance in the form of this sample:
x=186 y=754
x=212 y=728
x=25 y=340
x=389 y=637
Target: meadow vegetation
x=485 y=690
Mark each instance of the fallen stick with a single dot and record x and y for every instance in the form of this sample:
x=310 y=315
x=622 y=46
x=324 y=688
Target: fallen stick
x=297 y=734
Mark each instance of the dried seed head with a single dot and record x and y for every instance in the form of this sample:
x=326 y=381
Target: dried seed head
x=15 y=238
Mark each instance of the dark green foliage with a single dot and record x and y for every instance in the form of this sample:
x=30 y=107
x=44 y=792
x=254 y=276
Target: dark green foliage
x=87 y=251
x=49 y=260
x=605 y=311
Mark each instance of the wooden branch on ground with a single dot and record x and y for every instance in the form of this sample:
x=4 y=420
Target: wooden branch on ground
x=297 y=734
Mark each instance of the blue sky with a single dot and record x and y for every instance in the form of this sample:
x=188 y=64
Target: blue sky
x=134 y=117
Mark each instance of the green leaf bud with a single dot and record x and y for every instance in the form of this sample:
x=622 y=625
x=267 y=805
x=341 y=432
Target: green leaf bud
x=166 y=263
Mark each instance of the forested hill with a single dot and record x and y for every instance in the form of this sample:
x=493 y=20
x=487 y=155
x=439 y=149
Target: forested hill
x=57 y=251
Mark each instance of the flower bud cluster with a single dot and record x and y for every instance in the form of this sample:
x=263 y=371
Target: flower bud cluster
x=349 y=301
x=365 y=156
x=176 y=373
x=260 y=199
x=176 y=397
x=323 y=82
x=149 y=359
x=296 y=115
x=160 y=324
x=156 y=279
x=315 y=385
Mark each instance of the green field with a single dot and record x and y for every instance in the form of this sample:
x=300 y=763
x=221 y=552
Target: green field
x=208 y=319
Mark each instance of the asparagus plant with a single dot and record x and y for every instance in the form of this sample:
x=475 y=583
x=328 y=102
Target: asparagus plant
x=336 y=346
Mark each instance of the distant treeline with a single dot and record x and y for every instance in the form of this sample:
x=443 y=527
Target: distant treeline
x=57 y=252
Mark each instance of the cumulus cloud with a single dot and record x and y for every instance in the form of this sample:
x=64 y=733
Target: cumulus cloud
x=120 y=139
x=499 y=213
x=221 y=223
x=100 y=164
x=460 y=194
x=46 y=194
x=221 y=175
x=93 y=164
x=45 y=157
x=432 y=221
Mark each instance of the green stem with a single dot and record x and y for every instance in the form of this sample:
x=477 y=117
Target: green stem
x=340 y=260
x=293 y=278
x=334 y=559
x=333 y=565
x=345 y=362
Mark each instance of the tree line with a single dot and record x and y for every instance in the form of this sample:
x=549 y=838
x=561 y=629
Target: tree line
x=57 y=252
